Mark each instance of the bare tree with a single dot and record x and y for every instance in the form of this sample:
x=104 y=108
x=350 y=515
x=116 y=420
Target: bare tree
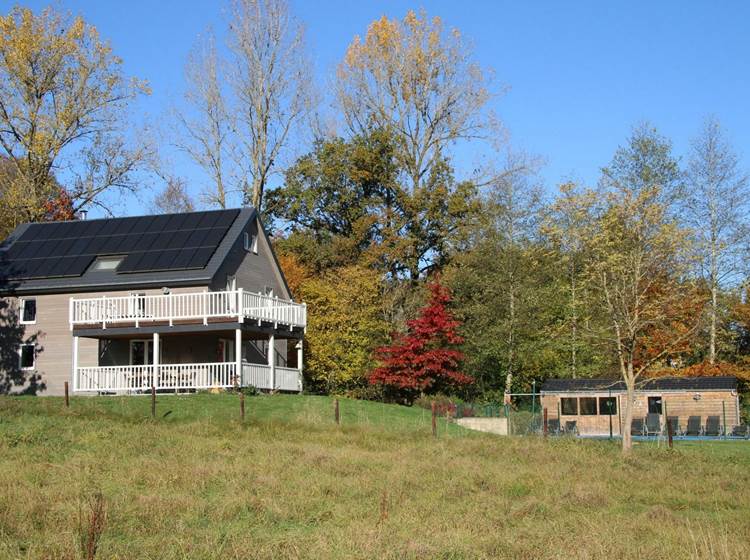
x=174 y=198
x=271 y=79
x=716 y=207
x=207 y=130
x=416 y=79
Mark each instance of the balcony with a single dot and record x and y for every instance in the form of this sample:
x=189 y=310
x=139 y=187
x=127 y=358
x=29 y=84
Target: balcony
x=184 y=308
x=179 y=377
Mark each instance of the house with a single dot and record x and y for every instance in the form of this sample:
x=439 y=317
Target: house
x=597 y=404
x=178 y=301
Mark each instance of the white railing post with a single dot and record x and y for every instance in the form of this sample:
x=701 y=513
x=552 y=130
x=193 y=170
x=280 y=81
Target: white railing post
x=155 y=360
x=300 y=357
x=171 y=309
x=240 y=306
x=75 y=363
x=205 y=307
x=272 y=359
x=237 y=354
x=70 y=312
x=103 y=312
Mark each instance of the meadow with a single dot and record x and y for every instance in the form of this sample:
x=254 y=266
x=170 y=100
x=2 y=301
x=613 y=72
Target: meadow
x=102 y=477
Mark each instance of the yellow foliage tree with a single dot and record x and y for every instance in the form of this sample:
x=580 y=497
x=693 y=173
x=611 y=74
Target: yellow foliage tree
x=62 y=93
x=345 y=325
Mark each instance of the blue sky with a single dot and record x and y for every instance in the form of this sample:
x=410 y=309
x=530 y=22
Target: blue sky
x=581 y=73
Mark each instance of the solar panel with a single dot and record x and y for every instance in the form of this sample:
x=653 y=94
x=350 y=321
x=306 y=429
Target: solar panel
x=149 y=243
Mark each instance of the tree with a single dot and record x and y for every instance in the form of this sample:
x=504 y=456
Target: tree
x=416 y=79
x=346 y=327
x=637 y=260
x=343 y=203
x=271 y=79
x=424 y=359
x=174 y=198
x=63 y=97
x=207 y=132
x=716 y=209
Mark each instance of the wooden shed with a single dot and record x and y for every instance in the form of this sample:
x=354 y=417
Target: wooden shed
x=596 y=404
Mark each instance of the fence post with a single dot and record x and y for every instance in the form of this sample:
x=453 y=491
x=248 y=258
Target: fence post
x=336 y=414
x=434 y=419
x=544 y=427
x=67 y=397
x=153 y=401
x=724 y=413
x=242 y=406
x=669 y=432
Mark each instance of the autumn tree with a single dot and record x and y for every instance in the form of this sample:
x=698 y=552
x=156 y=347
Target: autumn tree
x=425 y=358
x=272 y=83
x=638 y=259
x=63 y=101
x=345 y=328
x=174 y=197
x=418 y=79
x=715 y=209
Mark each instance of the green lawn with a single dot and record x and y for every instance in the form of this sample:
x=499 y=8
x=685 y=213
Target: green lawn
x=289 y=483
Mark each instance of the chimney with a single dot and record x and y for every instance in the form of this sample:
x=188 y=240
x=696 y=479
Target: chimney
x=82 y=214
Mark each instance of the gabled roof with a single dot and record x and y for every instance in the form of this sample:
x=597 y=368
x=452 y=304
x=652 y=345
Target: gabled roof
x=171 y=249
x=726 y=383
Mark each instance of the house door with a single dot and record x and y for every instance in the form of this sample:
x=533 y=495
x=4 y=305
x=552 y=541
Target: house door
x=141 y=352
x=226 y=350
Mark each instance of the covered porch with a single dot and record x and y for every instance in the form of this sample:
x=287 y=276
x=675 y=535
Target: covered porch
x=215 y=359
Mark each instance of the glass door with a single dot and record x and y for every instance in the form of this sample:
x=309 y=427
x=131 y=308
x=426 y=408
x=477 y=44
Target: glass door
x=141 y=352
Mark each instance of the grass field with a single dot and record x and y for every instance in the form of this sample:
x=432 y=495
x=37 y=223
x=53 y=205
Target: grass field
x=289 y=483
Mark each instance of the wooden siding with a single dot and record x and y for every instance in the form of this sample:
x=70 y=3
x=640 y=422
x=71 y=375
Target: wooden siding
x=678 y=403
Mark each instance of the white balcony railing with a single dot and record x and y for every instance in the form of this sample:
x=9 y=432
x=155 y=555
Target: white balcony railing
x=185 y=376
x=137 y=309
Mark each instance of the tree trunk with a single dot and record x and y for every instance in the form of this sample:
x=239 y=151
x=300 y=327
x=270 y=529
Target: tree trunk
x=627 y=436
x=712 y=343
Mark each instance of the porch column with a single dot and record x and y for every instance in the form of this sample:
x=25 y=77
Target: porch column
x=272 y=359
x=238 y=355
x=155 y=359
x=299 y=361
x=75 y=363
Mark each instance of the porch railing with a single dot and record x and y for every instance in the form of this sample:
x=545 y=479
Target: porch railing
x=185 y=376
x=137 y=309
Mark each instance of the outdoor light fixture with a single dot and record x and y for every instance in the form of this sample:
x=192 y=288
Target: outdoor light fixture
x=165 y=290
x=697 y=397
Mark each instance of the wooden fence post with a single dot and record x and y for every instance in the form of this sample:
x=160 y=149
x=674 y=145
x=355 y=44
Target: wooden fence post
x=669 y=432
x=242 y=407
x=67 y=396
x=544 y=426
x=336 y=412
x=434 y=420
x=153 y=401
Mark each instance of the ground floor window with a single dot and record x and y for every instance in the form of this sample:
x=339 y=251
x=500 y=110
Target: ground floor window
x=569 y=406
x=27 y=356
x=588 y=406
x=607 y=405
x=654 y=405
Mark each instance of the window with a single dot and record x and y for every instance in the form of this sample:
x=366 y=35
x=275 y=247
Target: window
x=654 y=405
x=27 y=356
x=588 y=405
x=250 y=242
x=607 y=405
x=28 y=311
x=106 y=263
x=569 y=406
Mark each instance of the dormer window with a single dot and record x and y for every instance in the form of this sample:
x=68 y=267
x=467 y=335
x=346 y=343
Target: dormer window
x=250 y=242
x=103 y=264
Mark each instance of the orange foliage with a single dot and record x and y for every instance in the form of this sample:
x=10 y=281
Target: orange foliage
x=705 y=369
x=295 y=273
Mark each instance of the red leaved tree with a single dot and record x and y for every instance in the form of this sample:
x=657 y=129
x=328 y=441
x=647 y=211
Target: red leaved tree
x=425 y=358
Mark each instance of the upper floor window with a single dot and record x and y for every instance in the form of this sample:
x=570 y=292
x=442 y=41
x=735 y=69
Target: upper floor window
x=27 y=356
x=28 y=311
x=250 y=242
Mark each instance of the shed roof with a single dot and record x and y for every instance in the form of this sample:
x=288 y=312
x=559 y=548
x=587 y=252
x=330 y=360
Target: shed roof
x=155 y=250
x=726 y=383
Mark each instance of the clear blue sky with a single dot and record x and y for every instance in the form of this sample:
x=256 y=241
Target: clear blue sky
x=581 y=73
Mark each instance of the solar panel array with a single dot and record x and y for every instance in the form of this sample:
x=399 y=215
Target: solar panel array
x=148 y=244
